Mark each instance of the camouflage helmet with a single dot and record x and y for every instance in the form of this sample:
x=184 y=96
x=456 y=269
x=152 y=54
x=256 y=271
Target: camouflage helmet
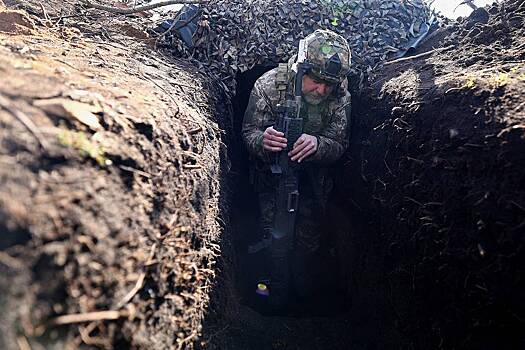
x=329 y=54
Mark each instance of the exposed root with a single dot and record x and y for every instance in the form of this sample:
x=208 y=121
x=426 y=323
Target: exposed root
x=88 y=317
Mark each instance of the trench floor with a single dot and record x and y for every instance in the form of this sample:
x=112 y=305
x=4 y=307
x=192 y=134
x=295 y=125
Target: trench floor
x=256 y=332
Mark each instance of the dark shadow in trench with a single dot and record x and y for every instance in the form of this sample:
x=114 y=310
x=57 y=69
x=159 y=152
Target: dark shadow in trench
x=236 y=320
x=328 y=298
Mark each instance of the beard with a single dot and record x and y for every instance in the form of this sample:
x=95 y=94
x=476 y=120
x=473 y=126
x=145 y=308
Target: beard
x=314 y=98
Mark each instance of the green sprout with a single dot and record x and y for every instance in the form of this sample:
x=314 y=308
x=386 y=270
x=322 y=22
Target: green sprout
x=501 y=80
x=79 y=140
x=471 y=82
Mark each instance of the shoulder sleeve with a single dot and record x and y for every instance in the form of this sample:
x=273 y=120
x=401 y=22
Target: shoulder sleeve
x=258 y=116
x=333 y=139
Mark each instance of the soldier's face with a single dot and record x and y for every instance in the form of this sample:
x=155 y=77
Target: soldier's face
x=315 y=91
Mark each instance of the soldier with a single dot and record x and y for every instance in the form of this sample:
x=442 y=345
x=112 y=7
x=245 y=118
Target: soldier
x=325 y=112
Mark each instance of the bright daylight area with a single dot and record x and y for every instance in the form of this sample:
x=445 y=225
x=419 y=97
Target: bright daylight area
x=456 y=8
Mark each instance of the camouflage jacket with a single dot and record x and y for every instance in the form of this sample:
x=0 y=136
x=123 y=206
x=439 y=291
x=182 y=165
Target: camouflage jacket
x=327 y=121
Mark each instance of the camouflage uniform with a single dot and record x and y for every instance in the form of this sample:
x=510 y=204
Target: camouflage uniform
x=328 y=122
x=327 y=57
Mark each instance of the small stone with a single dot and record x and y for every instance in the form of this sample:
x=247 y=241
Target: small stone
x=61 y=71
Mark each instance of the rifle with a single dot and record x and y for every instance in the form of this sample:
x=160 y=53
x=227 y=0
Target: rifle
x=289 y=122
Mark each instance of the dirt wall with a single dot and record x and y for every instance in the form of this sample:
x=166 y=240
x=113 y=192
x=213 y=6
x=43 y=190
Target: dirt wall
x=434 y=191
x=109 y=196
x=111 y=161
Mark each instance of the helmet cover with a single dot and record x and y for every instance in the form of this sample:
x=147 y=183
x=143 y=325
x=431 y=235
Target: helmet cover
x=329 y=54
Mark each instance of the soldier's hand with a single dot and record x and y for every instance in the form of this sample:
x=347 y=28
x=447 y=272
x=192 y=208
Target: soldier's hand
x=305 y=146
x=273 y=140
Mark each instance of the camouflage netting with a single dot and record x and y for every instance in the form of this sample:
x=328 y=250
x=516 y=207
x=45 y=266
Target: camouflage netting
x=235 y=35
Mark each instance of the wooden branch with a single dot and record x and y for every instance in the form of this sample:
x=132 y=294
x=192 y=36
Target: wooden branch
x=10 y=262
x=140 y=281
x=132 y=10
x=23 y=343
x=135 y=171
x=424 y=54
x=467 y=2
x=182 y=342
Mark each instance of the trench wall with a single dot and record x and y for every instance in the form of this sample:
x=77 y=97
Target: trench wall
x=428 y=212
x=432 y=219
x=110 y=194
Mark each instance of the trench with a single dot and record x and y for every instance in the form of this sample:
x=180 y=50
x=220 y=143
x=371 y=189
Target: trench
x=323 y=320
x=427 y=256
x=399 y=284
x=391 y=283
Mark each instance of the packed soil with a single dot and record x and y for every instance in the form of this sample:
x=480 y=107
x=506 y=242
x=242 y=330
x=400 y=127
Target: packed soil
x=110 y=159
x=111 y=178
x=433 y=192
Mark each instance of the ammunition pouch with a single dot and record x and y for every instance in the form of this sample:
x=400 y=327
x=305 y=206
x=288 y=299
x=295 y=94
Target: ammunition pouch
x=282 y=80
